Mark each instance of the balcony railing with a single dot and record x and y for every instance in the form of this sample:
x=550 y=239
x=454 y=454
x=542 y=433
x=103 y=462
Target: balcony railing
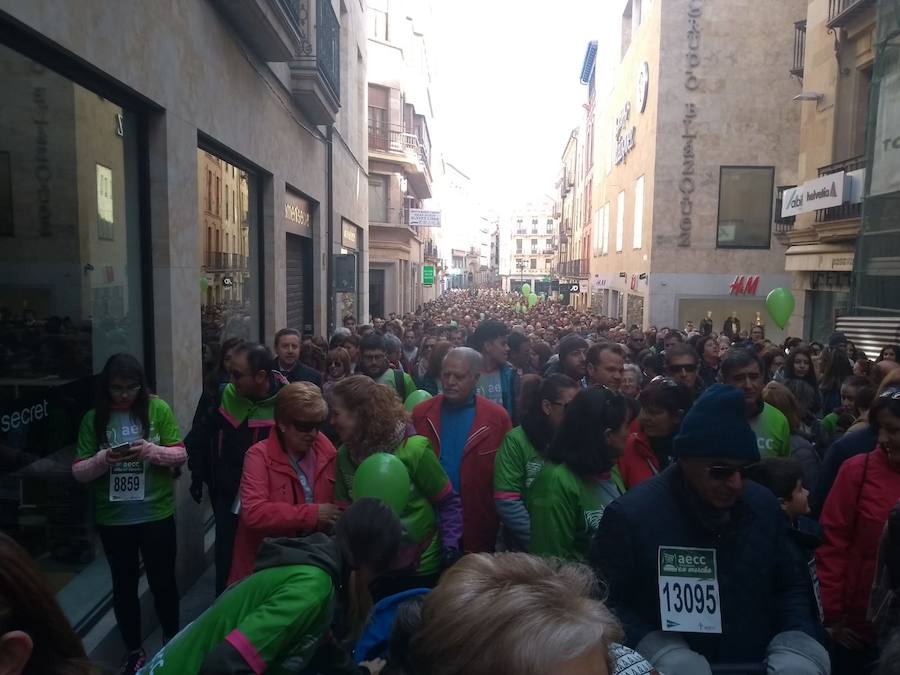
x=328 y=46
x=842 y=12
x=845 y=211
x=799 y=48
x=398 y=139
x=785 y=224
x=224 y=262
x=389 y=216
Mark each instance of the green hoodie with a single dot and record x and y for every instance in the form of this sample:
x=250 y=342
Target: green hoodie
x=272 y=621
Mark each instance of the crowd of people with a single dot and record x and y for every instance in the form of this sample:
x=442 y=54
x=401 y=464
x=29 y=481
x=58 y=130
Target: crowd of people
x=481 y=487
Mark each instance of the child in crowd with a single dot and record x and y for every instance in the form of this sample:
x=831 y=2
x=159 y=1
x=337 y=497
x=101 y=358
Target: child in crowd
x=784 y=477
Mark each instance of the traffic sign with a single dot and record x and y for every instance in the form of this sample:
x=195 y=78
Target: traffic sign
x=428 y=275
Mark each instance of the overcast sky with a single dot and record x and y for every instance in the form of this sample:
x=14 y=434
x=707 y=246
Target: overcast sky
x=506 y=89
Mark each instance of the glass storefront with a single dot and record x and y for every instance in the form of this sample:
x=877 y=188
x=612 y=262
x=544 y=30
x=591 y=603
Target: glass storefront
x=876 y=279
x=70 y=296
x=228 y=230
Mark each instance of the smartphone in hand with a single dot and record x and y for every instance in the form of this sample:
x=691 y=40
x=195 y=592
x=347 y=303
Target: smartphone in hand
x=121 y=450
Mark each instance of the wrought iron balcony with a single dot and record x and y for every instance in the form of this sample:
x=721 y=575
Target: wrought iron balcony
x=799 y=48
x=315 y=72
x=270 y=27
x=398 y=140
x=845 y=211
x=216 y=261
x=842 y=12
x=389 y=216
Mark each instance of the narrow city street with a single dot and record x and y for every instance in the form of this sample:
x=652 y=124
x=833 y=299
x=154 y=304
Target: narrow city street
x=450 y=337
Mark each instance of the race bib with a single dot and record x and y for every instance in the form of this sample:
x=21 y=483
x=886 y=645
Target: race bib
x=689 y=590
x=127 y=482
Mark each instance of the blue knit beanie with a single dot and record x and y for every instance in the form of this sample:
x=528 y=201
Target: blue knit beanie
x=716 y=426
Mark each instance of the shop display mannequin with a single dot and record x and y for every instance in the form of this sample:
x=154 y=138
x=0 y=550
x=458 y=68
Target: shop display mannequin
x=706 y=325
x=732 y=326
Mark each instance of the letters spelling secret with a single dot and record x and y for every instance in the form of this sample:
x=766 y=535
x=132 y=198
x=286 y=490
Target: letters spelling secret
x=686 y=184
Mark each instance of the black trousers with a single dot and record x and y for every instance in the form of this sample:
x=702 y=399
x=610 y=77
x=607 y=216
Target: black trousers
x=125 y=546
x=226 y=529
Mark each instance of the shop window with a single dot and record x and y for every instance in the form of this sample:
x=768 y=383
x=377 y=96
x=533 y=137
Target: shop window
x=229 y=298
x=745 y=206
x=620 y=221
x=638 y=225
x=70 y=297
x=378 y=199
x=6 y=206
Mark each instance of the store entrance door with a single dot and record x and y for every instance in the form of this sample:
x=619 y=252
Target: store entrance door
x=298 y=289
x=376 y=292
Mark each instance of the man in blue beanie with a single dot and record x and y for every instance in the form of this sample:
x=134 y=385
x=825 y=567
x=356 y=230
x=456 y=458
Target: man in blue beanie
x=695 y=559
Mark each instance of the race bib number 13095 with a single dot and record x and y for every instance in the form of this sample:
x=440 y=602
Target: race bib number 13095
x=689 y=590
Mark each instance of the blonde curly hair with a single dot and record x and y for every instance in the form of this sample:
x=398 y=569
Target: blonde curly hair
x=376 y=407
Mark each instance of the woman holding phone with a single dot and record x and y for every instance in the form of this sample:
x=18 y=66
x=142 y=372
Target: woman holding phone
x=128 y=449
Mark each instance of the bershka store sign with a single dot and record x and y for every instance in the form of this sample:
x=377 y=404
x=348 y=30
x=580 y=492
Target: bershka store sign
x=824 y=192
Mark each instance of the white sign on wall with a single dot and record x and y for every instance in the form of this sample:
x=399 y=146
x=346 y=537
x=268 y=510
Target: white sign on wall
x=423 y=218
x=824 y=192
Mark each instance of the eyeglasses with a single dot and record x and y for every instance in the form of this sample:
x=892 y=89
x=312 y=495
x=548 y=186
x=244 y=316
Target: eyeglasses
x=724 y=472
x=122 y=391
x=683 y=368
x=664 y=381
x=335 y=363
x=306 y=427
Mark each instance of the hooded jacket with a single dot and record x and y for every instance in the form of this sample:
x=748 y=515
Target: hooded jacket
x=272 y=498
x=223 y=431
x=274 y=621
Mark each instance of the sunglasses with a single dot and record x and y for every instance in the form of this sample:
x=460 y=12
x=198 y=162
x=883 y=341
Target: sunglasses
x=335 y=363
x=893 y=393
x=684 y=368
x=665 y=382
x=722 y=472
x=305 y=427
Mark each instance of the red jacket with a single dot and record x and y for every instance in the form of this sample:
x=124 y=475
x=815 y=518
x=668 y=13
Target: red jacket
x=638 y=463
x=853 y=518
x=480 y=522
x=272 y=500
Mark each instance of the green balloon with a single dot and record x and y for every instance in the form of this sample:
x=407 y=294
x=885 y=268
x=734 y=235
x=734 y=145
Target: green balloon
x=415 y=399
x=383 y=477
x=532 y=300
x=780 y=304
x=526 y=290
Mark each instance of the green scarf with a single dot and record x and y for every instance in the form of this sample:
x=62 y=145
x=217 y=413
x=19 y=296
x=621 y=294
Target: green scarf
x=238 y=409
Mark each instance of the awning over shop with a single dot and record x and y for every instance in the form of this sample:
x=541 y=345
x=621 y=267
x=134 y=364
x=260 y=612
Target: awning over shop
x=819 y=258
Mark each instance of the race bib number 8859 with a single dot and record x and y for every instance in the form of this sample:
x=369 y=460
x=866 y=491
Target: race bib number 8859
x=689 y=590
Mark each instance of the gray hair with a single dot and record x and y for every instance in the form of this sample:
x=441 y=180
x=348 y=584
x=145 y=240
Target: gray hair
x=392 y=343
x=632 y=368
x=469 y=355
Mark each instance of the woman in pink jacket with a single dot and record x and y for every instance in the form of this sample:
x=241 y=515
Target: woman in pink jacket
x=287 y=487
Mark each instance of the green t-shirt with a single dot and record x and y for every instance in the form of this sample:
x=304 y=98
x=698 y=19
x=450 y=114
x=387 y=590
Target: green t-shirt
x=387 y=378
x=132 y=492
x=428 y=483
x=565 y=510
x=277 y=617
x=517 y=465
x=773 y=433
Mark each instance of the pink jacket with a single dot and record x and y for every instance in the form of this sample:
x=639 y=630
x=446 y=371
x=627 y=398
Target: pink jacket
x=272 y=500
